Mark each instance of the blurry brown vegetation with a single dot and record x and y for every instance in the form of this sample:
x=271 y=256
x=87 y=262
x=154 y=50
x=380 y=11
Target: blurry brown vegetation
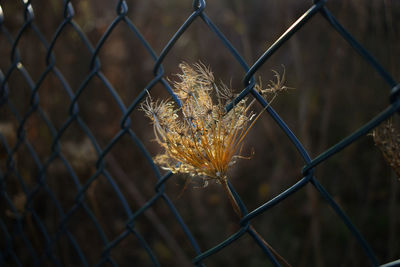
x=336 y=92
x=387 y=139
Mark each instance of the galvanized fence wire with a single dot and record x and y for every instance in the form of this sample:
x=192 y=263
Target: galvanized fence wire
x=10 y=256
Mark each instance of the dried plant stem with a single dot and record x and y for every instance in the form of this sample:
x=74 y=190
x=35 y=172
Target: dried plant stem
x=236 y=208
x=200 y=137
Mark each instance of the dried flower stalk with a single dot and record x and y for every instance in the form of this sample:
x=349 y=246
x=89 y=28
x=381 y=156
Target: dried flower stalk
x=200 y=138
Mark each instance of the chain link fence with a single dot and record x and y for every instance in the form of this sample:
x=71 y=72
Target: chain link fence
x=72 y=184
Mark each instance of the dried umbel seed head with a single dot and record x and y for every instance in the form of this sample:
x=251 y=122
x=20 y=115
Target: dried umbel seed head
x=200 y=138
x=387 y=139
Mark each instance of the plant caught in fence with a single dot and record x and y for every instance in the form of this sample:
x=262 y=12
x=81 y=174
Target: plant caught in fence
x=200 y=138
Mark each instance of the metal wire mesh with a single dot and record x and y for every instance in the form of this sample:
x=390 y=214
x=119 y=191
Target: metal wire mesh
x=11 y=172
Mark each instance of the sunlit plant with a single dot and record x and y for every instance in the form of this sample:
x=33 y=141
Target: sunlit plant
x=200 y=138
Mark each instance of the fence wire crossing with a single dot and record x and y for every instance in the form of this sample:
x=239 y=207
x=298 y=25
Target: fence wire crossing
x=9 y=256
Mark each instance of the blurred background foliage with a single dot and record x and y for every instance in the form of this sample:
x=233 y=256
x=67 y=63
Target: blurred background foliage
x=335 y=93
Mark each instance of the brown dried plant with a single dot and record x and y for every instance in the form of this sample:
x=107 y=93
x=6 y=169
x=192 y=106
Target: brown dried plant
x=387 y=139
x=200 y=138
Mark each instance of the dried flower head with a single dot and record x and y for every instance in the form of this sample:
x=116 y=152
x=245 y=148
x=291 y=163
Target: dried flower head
x=387 y=139
x=200 y=138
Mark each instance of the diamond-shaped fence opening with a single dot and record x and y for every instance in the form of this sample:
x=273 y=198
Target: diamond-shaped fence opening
x=78 y=182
